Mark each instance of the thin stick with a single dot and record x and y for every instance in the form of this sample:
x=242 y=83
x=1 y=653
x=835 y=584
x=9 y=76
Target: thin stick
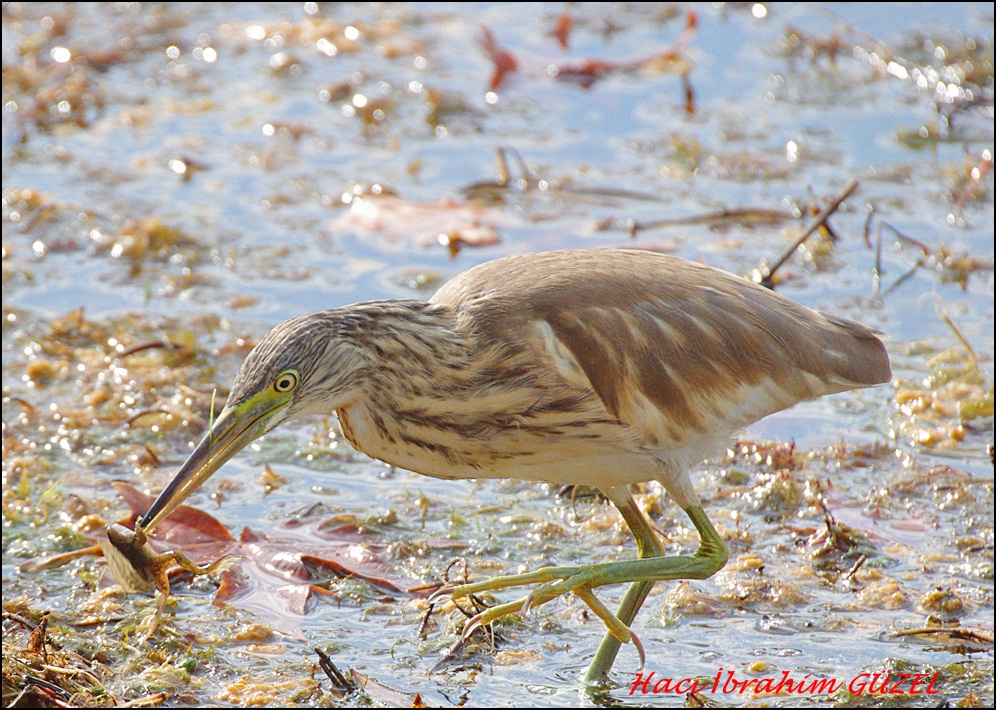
x=813 y=226
x=878 y=256
x=745 y=214
x=901 y=280
x=854 y=570
x=339 y=680
x=945 y=315
x=956 y=631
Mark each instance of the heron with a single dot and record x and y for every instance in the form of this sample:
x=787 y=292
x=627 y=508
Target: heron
x=594 y=367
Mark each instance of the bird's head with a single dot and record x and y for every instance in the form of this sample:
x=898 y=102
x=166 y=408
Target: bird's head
x=303 y=366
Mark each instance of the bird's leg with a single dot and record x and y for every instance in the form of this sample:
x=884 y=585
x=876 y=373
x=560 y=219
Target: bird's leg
x=651 y=567
x=647 y=545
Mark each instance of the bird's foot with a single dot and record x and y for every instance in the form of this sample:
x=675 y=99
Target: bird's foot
x=642 y=573
x=554 y=582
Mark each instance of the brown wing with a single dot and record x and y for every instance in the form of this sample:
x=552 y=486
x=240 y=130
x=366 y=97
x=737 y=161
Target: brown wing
x=692 y=347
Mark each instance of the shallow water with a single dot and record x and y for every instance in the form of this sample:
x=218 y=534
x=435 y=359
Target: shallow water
x=179 y=172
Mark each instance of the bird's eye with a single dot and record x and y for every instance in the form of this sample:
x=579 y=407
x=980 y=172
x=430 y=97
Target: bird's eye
x=286 y=381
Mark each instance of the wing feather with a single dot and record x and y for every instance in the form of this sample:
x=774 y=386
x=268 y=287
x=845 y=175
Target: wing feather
x=704 y=348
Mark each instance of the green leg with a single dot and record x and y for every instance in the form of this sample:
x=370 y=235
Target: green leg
x=648 y=545
x=712 y=550
x=643 y=572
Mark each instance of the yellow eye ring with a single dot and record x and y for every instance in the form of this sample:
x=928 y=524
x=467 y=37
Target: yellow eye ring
x=286 y=381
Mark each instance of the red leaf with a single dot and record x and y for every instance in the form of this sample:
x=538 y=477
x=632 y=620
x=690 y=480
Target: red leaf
x=188 y=530
x=294 y=556
x=503 y=60
x=282 y=574
x=562 y=31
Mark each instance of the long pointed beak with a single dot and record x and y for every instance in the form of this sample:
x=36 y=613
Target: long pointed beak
x=232 y=431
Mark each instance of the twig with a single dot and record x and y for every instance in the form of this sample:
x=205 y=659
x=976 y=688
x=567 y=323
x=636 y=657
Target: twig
x=42 y=683
x=956 y=631
x=878 y=254
x=451 y=654
x=945 y=316
x=854 y=570
x=866 y=232
x=166 y=345
x=901 y=280
x=927 y=251
x=745 y=214
x=148 y=700
x=338 y=678
x=818 y=221
x=26 y=623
